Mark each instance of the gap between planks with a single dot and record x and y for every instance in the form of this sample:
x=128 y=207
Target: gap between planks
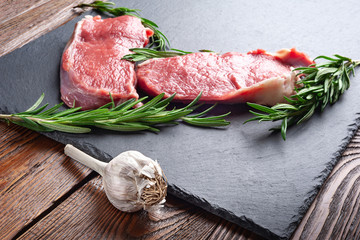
x=34 y=174
x=55 y=204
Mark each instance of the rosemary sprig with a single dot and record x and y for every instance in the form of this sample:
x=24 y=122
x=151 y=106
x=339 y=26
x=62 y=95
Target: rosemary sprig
x=123 y=117
x=158 y=40
x=142 y=54
x=320 y=85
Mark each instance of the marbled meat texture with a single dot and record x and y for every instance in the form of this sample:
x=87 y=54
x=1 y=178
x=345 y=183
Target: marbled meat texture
x=91 y=66
x=257 y=76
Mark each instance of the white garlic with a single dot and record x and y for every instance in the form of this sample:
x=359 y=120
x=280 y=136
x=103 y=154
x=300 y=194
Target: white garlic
x=131 y=180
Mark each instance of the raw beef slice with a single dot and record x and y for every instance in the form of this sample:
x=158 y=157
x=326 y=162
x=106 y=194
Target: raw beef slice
x=257 y=76
x=91 y=66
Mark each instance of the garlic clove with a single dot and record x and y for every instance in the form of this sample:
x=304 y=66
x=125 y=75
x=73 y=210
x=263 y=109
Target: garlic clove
x=134 y=170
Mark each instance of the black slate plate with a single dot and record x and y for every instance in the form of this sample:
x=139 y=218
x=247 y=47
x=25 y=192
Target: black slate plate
x=242 y=173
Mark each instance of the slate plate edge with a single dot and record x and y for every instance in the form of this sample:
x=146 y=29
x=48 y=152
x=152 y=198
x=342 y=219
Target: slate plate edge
x=322 y=177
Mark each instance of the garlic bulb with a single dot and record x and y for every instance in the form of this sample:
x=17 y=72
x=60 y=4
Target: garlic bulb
x=131 y=180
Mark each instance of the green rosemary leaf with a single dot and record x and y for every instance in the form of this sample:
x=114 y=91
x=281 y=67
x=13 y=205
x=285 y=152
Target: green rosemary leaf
x=165 y=102
x=306 y=71
x=324 y=102
x=308 y=114
x=38 y=128
x=309 y=79
x=203 y=122
x=261 y=115
x=66 y=112
x=149 y=23
x=30 y=124
x=326 y=58
x=127 y=127
x=123 y=105
x=261 y=107
x=205 y=111
x=321 y=84
x=51 y=110
x=212 y=118
x=131 y=117
x=289 y=100
x=82 y=116
x=64 y=128
x=302 y=69
x=192 y=104
x=307 y=90
x=107 y=105
x=35 y=111
x=36 y=104
x=147 y=105
x=258 y=118
x=346 y=59
x=168 y=116
x=323 y=72
x=284 y=106
x=326 y=85
x=345 y=80
x=284 y=128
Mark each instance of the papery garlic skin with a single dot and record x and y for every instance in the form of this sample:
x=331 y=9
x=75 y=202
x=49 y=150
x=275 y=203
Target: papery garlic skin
x=127 y=177
x=131 y=180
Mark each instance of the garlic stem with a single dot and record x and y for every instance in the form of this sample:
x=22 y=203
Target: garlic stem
x=85 y=159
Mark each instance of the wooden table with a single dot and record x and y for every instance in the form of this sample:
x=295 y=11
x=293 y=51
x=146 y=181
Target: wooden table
x=46 y=195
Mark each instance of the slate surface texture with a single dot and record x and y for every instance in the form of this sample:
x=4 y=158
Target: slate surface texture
x=243 y=172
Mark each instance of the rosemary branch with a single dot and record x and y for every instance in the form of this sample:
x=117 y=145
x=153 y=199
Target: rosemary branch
x=123 y=117
x=159 y=41
x=320 y=85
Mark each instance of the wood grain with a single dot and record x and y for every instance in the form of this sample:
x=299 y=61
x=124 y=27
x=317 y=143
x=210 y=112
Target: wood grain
x=34 y=173
x=98 y=219
x=335 y=212
x=13 y=8
x=32 y=20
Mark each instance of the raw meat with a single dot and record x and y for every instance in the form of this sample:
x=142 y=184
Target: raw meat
x=91 y=64
x=257 y=76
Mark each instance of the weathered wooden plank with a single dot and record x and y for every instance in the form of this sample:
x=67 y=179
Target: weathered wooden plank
x=334 y=214
x=34 y=173
x=87 y=214
x=34 y=22
x=13 y=8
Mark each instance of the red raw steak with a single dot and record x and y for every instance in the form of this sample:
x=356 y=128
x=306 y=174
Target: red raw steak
x=257 y=76
x=91 y=64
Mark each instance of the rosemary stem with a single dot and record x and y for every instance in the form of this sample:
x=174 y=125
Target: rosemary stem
x=15 y=118
x=5 y=116
x=10 y=117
